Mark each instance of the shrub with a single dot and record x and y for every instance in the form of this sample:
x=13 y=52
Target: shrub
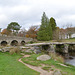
x=31 y=42
x=14 y=50
x=17 y=50
x=57 y=57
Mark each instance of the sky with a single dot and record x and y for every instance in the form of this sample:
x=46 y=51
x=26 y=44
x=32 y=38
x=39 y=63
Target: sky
x=29 y=12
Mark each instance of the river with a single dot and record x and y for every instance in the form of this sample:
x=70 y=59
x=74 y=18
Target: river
x=71 y=61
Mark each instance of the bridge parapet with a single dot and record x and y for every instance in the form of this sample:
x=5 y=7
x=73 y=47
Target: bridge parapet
x=9 y=39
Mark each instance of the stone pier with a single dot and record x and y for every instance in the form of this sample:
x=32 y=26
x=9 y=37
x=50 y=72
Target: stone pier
x=52 y=48
x=58 y=47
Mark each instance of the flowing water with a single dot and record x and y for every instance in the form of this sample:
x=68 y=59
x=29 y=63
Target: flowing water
x=71 y=61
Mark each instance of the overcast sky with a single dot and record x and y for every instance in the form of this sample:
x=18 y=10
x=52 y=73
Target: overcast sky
x=29 y=12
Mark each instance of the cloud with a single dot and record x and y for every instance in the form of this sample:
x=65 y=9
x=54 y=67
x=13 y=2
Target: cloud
x=29 y=12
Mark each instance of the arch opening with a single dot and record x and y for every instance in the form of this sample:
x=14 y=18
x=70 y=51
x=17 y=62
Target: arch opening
x=59 y=49
x=45 y=47
x=22 y=42
x=3 y=43
x=14 y=43
x=71 y=50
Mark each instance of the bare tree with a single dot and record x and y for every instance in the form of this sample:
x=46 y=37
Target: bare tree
x=32 y=32
x=56 y=33
x=69 y=30
x=22 y=32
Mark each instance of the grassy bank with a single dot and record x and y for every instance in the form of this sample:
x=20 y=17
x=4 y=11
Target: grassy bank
x=50 y=65
x=69 y=40
x=9 y=65
x=61 y=40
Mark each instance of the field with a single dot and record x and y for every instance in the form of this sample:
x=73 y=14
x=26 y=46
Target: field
x=61 y=40
x=50 y=65
x=9 y=65
x=69 y=40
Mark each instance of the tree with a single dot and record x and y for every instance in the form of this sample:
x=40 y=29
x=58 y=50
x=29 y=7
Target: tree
x=70 y=31
x=32 y=32
x=53 y=23
x=27 y=35
x=0 y=29
x=6 y=32
x=13 y=26
x=44 y=22
x=49 y=30
x=45 y=31
x=54 y=28
x=22 y=32
x=62 y=33
x=55 y=34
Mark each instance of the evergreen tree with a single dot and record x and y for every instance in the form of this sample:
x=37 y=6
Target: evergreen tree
x=43 y=21
x=49 y=31
x=13 y=26
x=45 y=31
x=53 y=23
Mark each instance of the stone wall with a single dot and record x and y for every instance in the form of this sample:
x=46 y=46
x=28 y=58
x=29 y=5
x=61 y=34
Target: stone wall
x=9 y=39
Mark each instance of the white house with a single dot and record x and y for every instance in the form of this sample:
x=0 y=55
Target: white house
x=73 y=35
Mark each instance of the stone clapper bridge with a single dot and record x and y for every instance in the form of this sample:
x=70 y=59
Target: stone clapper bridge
x=13 y=40
x=64 y=48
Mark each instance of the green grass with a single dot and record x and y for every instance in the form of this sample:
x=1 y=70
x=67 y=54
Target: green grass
x=47 y=68
x=65 y=40
x=9 y=65
x=70 y=70
x=69 y=40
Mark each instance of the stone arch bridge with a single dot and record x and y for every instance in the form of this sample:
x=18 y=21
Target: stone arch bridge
x=13 y=40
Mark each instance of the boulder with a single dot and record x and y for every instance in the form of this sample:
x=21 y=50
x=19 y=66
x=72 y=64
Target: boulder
x=0 y=49
x=22 y=47
x=43 y=57
x=36 y=47
x=37 y=51
x=57 y=73
x=6 y=49
x=32 y=48
x=28 y=51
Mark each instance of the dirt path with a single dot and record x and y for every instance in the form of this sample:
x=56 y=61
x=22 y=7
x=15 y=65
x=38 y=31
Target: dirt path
x=42 y=72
